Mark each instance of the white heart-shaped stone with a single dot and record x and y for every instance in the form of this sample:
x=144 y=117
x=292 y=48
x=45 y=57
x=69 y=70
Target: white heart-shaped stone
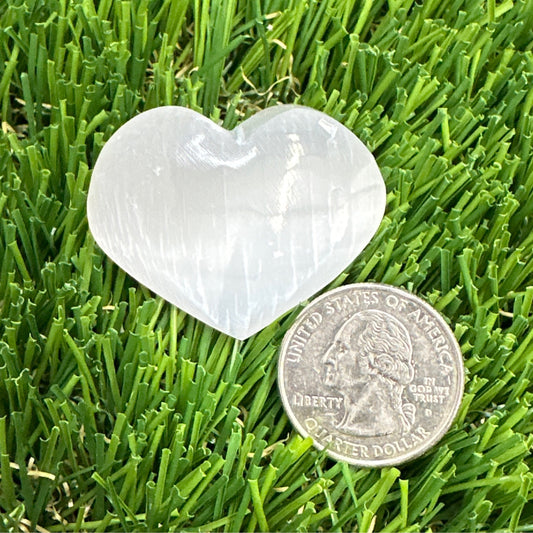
x=235 y=227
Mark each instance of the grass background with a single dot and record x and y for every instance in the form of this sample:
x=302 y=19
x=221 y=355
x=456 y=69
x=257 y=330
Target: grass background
x=118 y=411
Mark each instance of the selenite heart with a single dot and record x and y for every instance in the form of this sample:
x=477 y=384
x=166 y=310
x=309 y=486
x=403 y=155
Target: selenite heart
x=235 y=227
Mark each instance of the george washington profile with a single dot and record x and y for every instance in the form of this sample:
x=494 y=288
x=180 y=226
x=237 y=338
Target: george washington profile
x=369 y=364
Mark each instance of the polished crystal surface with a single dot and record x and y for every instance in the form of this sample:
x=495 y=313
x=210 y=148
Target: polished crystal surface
x=235 y=227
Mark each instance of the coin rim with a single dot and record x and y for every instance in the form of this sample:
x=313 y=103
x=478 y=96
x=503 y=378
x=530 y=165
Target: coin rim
x=442 y=428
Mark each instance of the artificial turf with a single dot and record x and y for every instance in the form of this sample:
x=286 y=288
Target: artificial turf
x=118 y=412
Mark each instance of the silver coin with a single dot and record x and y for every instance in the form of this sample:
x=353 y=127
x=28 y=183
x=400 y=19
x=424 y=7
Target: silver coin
x=372 y=373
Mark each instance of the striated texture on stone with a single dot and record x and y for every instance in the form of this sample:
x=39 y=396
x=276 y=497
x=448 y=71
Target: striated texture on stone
x=235 y=227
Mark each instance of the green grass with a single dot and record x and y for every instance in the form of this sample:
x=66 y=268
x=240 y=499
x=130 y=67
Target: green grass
x=118 y=411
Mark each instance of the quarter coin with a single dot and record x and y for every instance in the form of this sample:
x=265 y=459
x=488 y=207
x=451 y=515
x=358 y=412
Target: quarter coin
x=372 y=373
